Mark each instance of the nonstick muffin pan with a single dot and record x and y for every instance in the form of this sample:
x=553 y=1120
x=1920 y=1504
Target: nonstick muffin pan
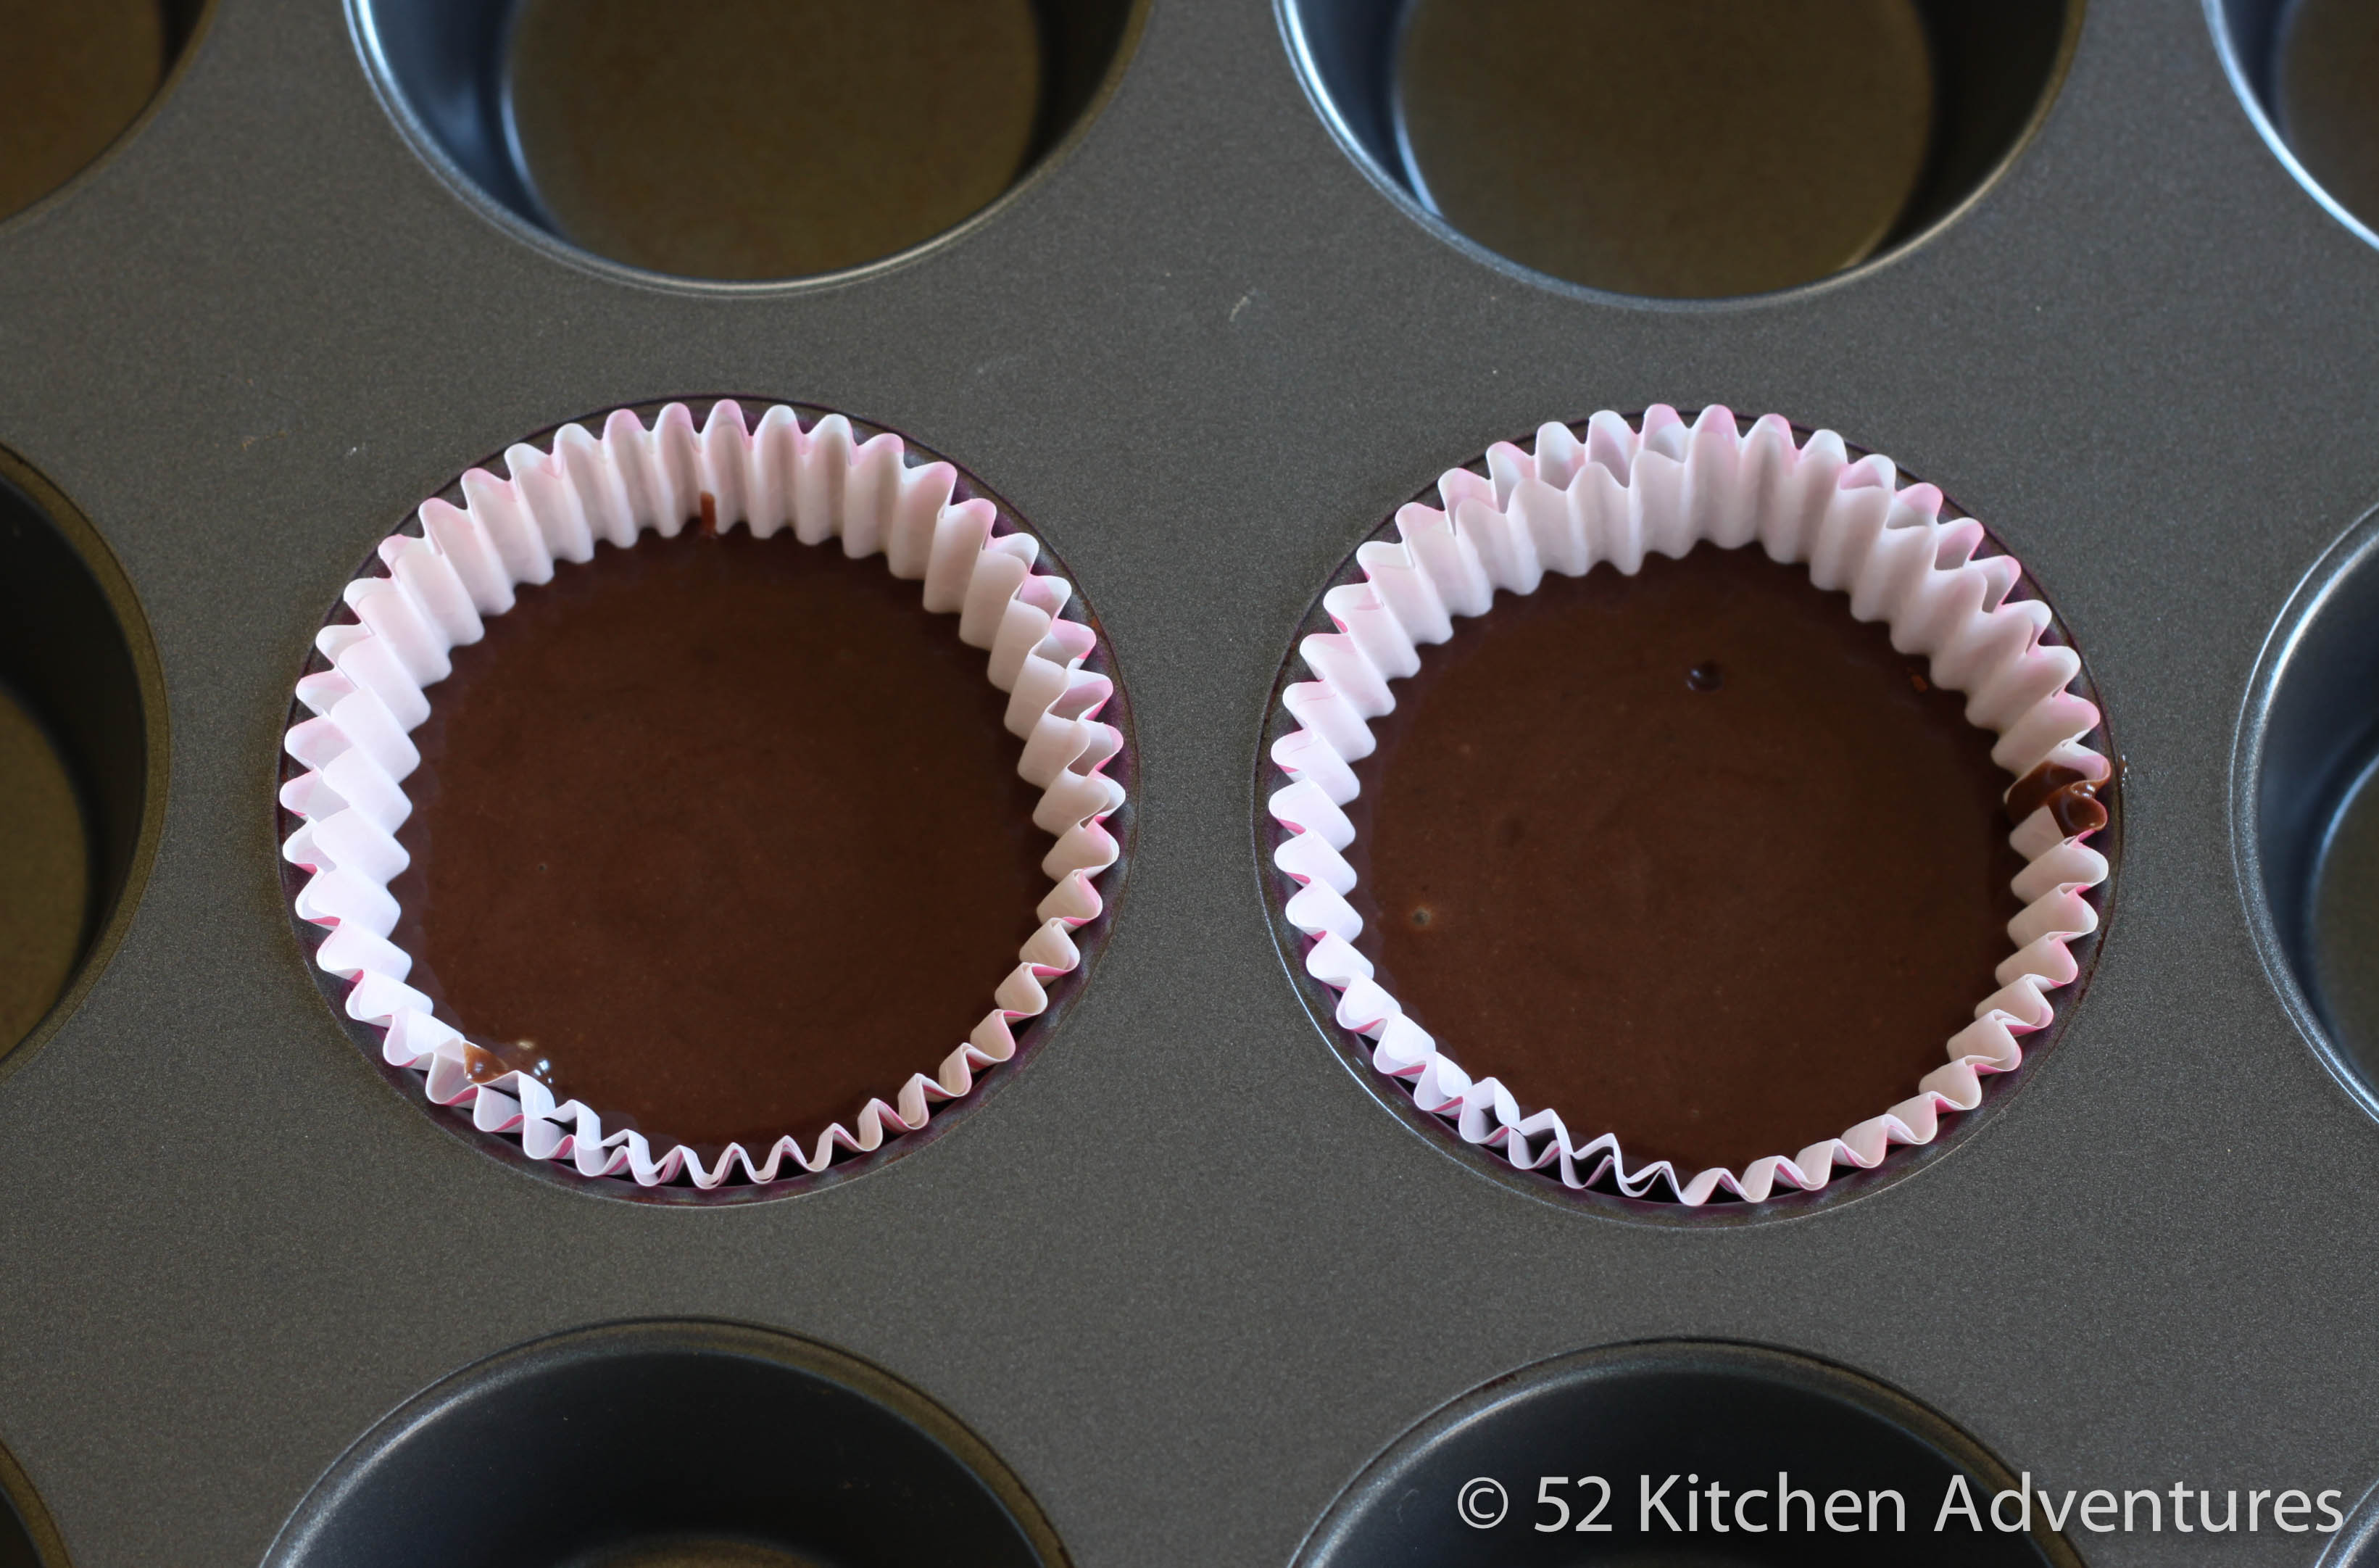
x=1182 y=1291
x=805 y=1457
x=1708 y=136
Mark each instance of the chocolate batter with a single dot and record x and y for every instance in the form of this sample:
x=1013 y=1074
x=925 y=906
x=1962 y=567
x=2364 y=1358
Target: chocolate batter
x=771 y=138
x=2071 y=795
x=1691 y=856
x=73 y=73
x=722 y=836
x=1689 y=147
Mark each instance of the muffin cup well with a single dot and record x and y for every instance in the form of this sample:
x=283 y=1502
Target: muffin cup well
x=2302 y=793
x=1613 y=498
x=801 y=1454
x=86 y=785
x=670 y=155
x=465 y=564
x=1768 y=1425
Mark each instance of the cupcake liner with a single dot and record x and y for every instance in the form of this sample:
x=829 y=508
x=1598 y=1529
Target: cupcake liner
x=822 y=483
x=1613 y=498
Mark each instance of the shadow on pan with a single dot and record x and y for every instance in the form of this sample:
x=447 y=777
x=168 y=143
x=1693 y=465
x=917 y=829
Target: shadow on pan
x=1698 y=149
x=2305 y=808
x=1804 y=1458
x=81 y=750
x=74 y=77
x=675 y=1445
x=748 y=139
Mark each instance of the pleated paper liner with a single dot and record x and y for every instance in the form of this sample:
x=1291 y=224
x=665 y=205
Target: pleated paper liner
x=821 y=483
x=1605 y=502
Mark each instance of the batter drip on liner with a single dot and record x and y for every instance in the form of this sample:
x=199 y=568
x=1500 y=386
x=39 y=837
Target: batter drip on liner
x=1692 y=857
x=721 y=835
x=2071 y=795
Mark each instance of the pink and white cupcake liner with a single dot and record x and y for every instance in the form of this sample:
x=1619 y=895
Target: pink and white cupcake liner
x=1571 y=505
x=820 y=482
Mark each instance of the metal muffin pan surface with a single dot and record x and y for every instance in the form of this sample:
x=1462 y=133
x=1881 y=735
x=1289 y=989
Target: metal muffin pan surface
x=1983 y=81
x=805 y=1457
x=1182 y=1276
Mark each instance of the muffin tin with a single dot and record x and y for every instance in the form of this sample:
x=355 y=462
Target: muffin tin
x=1180 y=1292
x=1993 y=75
x=556 y=1452
x=445 y=68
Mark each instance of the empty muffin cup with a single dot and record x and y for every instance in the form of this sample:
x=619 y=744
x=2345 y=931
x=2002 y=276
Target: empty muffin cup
x=669 y=848
x=72 y=78
x=1674 y=872
x=2306 y=808
x=2304 y=71
x=1692 y=148
x=27 y=1539
x=2357 y=1545
x=1687 y=1453
x=745 y=139
x=546 y=1456
x=81 y=772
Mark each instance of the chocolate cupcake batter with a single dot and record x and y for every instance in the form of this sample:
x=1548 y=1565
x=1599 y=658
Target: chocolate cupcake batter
x=721 y=835
x=1691 y=856
x=2071 y=795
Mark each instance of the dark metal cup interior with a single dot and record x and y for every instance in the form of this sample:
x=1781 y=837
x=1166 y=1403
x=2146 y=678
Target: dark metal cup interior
x=175 y=23
x=2308 y=735
x=632 y=1441
x=443 y=65
x=65 y=654
x=1995 y=71
x=27 y=1539
x=2254 y=37
x=1477 y=1481
x=2357 y=1545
